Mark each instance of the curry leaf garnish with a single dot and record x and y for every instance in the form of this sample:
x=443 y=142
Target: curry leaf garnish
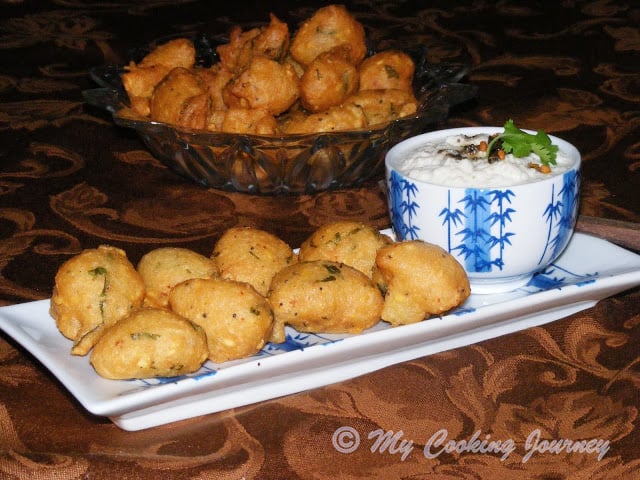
x=98 y=271
x=521 y=144
x=141 y=335
x=391 y=72
x=329 y=278
x=105 y=286
x=332 y=269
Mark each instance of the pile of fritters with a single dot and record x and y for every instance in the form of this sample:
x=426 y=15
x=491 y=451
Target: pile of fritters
x=179 y=308
x=269 y=82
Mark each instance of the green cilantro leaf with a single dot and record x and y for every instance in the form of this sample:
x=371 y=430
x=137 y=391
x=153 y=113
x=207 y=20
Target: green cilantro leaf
x=521 y=144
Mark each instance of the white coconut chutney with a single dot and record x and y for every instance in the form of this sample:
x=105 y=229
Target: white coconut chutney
x=451 y=163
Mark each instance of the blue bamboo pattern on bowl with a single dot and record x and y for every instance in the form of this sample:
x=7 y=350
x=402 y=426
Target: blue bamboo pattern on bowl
x=561 y=214
x=483 y=210
x=402 y=198
x=477 y=225
x=451 y=218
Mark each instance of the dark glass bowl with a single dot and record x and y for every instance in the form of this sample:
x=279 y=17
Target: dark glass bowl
x=286 y=164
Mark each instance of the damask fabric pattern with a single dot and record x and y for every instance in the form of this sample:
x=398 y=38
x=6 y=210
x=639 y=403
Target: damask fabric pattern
x=70 y=179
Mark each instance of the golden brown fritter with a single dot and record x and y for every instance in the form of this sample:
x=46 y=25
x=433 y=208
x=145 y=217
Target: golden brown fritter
x=181 y=99
x=323 y=296
x=382 y=106
x=238 y=320
x=389 y=69
x=94 y=290
x=251 y=255
x=349 y=242
x=140 y=80
x=331 y=26
x=150 y=343
x=266 y=84
x=253 y=121
x=174 y=53
x=327 y=81
x=271 y=42
x=340 y=118
x=419 y=280
x=318 y=81
x=163 y=268
x=139 y=84
x=213 y=80
x=236 y=54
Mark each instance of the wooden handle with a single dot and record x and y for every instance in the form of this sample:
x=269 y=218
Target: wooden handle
x=625 y=234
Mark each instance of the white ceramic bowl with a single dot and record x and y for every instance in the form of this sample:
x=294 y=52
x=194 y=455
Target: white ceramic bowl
x=502 y=236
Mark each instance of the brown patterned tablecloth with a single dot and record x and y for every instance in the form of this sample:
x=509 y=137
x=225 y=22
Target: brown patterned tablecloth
x=70 y=179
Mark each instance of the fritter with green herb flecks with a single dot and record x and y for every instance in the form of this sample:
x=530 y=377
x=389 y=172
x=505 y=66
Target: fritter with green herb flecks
x=181 y=99
x=264 y=84
x=349 y=242
x=163 y=268
x=328 y=81
x=150 y=343
x=387 y=70
x=237 y=320
x=323 y=296
x=329 y=27
x=419 y=280
x=383 y=106
x=251 y=255
x=94 y=290
x=140 y=79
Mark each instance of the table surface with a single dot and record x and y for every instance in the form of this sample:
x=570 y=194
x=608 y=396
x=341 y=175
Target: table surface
x=70 y=180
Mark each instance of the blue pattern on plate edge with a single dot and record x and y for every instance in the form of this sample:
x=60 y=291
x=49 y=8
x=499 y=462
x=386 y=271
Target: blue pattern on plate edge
x=294 y=341
x=553 y=277
x=473 y=220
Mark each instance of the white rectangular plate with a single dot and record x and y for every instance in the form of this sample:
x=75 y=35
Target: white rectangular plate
x=589 y=270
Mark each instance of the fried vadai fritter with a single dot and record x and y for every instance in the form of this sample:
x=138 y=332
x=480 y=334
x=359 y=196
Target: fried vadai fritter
x=236 y=53
x=383 y=106
x=251 y=255
x=214 y=79
x=150 y=343
x=163 y=268
x=139 y=84
x=328 y=80
x=318 y=80
x=389 y=69
x=140 y=79
x=323 y=296
x=266 y=84
x=419 y=280
x=179 y=52
x=349 y=242
x=94 y=290
x=180 y=99
x=271 y=42
x=331 y=26
x=238 y=320
x=215 y=120
x=254 y=121
x=339 y=118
